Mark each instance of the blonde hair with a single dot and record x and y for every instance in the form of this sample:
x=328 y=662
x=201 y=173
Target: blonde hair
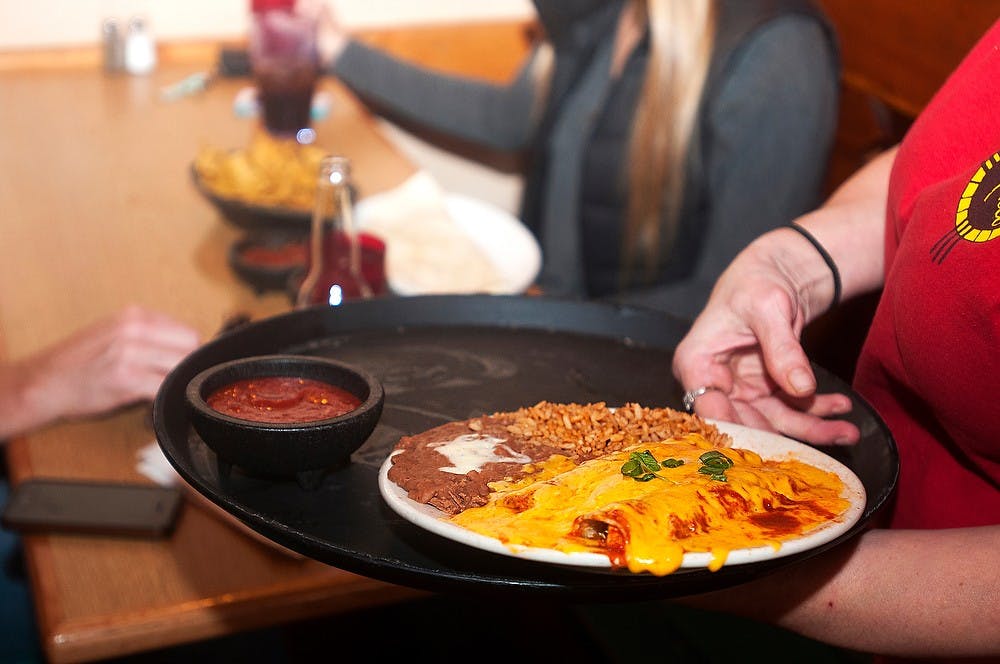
x=681 y=37
x=681 y=34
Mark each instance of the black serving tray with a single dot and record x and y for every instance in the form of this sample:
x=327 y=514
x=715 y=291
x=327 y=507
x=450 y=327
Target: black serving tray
x=443 y=358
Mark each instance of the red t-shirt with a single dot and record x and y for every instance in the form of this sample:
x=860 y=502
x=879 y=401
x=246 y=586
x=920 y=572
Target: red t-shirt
x=931 y=363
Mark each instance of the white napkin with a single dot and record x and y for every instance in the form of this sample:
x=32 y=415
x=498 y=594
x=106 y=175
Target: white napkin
x=153 y=464
x=427 y=251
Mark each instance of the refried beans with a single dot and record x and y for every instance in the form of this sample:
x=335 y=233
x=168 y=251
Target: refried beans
x=451 y=466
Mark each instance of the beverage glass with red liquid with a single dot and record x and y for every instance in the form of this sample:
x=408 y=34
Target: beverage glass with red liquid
x=285 y=65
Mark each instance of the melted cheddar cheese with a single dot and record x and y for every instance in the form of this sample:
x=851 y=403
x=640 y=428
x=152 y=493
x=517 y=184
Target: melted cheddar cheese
x=650 y=525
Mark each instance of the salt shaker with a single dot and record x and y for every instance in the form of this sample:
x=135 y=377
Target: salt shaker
x=111 y=38
x=335 y=265
x=140 y=51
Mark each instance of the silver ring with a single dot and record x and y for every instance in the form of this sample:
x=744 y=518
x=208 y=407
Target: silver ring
x=691 y=395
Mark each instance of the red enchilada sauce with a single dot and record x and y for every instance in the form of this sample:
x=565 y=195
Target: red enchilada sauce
x=282 y=399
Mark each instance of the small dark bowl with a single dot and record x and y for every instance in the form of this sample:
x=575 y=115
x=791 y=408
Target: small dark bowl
x=266 y=261
x=304 y=450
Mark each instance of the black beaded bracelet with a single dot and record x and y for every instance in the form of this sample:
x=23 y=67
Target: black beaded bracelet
x=826 y=259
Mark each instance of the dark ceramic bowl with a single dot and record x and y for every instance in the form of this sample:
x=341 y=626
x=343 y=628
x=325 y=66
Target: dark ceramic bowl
x=266 y=261
x=304 y=450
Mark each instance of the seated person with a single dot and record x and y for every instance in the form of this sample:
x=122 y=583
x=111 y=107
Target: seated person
x=661 y=136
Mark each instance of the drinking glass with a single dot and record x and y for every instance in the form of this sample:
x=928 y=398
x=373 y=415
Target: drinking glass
x=285 y=65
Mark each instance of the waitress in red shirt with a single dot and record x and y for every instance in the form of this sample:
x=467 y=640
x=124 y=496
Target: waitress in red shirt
x=922 y=222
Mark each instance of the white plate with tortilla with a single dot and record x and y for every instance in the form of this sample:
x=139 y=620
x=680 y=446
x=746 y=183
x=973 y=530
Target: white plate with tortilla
x=768 y=445
x=445 y=243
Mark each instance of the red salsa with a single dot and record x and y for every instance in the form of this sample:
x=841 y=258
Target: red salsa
x=289 y=254
x=282 y=399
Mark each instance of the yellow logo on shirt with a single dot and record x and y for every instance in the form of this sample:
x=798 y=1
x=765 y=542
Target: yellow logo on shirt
x=978 y=216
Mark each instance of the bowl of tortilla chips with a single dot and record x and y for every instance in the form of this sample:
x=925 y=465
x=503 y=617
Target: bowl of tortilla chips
x=270 y=185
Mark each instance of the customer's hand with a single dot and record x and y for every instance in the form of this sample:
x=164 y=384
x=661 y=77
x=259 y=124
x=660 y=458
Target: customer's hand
x=331 y=37
x=112 y=363
x=746 y=344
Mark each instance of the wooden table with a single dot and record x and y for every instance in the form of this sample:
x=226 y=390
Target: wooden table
x=97 y=210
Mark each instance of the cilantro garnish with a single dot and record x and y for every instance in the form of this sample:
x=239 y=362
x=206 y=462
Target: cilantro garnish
x=643 y=466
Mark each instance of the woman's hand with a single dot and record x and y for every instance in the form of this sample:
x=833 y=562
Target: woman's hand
x=331 y=36
x=745 y=347
x=745 y=344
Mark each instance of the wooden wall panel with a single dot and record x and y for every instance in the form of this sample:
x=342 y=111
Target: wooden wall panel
x=896 y=54
x=491 y=51
x=902 y=50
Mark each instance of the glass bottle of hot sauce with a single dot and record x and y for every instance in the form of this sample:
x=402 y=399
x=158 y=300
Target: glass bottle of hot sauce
x=341 y=264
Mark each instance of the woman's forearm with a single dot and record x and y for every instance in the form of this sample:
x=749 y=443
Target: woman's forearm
x=898 y=592
x=496 y=116
x=851 y=226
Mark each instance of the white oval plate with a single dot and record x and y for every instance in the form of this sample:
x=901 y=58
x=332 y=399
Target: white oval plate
x=768 y=445
x=510 y=246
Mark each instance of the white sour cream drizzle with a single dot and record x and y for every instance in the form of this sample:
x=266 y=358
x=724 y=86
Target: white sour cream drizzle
x=472 y=450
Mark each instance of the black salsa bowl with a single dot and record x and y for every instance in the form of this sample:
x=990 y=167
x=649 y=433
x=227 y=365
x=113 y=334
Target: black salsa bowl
x=304 y=450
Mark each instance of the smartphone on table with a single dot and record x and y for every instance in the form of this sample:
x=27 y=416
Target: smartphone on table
x=43 y=505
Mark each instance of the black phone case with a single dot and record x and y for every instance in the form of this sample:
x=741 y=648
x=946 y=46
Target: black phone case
x=234 y=63
x=106 y=508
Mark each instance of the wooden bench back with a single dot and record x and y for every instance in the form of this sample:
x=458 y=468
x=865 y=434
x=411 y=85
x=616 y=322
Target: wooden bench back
x=896 y=54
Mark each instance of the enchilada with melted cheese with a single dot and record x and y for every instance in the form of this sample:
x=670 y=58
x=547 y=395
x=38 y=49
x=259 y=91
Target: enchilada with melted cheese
x=708 y=495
